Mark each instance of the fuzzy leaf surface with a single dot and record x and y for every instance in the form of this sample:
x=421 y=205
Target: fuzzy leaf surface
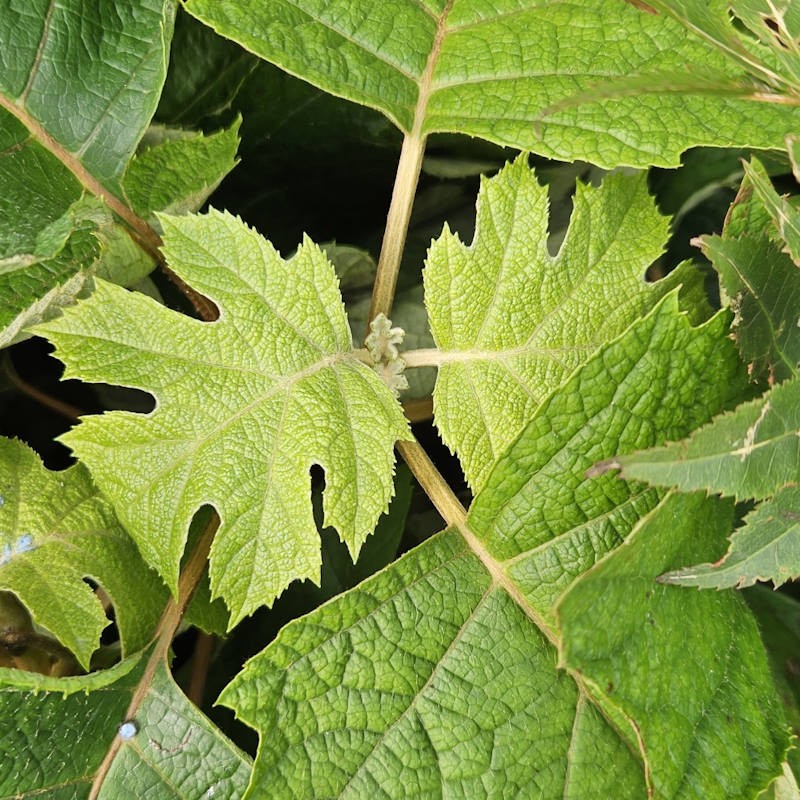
x=654 y=637
x=54 y=733
x=760 y=280
x=55 y=530
x=513 y=322
x=245 y=406
x=489 y=70
x=439 y=677
x=753 y=451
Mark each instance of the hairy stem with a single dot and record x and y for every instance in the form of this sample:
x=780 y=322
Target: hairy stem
x=165 y=632
x=405 y=184
x=424 y=357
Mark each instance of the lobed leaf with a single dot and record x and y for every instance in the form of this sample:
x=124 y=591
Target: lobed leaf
x=440 y=675
x=512 y=321
x=55 y=531
x=245 y=406
x=54 y=734
x=753 y=451
x=488 y=70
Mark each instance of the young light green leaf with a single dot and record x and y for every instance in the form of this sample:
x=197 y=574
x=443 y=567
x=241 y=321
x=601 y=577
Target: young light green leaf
x=438 y=677
x=473 y=67
x=785 y=216
x=245 y=406
x=54 y=734
x=766 y=547
x=512 y=321
x=56 y=530
x=683 y=723
x=753 y=451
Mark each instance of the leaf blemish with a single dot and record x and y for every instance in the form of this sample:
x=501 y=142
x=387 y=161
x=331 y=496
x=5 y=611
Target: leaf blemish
x=750 y=437
x=128 y=730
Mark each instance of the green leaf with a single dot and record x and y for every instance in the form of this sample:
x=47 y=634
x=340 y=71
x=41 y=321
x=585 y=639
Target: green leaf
x=651 y=634
x=63 y=129
x=785 y=216
x=539 y=512
x=513 y=322
x=439 y=676
x=474 y=67
x=764 y=290
x=54 y=734
x=56 y=530
x=245 y=406
x=36 y=284
x=177 y=175
x=749 y=452
x=425 y=681
x=96 y=110
x=766 y=548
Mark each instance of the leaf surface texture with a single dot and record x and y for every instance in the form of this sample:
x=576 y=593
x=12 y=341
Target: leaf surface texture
x=245 y=406
x=492 y=69
x=513 y=322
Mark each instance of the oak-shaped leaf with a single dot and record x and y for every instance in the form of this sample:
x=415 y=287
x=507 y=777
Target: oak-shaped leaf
x=55 y=530
x=512 y=321
x=56 y=735
x=441 y=675
x=245 y=406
